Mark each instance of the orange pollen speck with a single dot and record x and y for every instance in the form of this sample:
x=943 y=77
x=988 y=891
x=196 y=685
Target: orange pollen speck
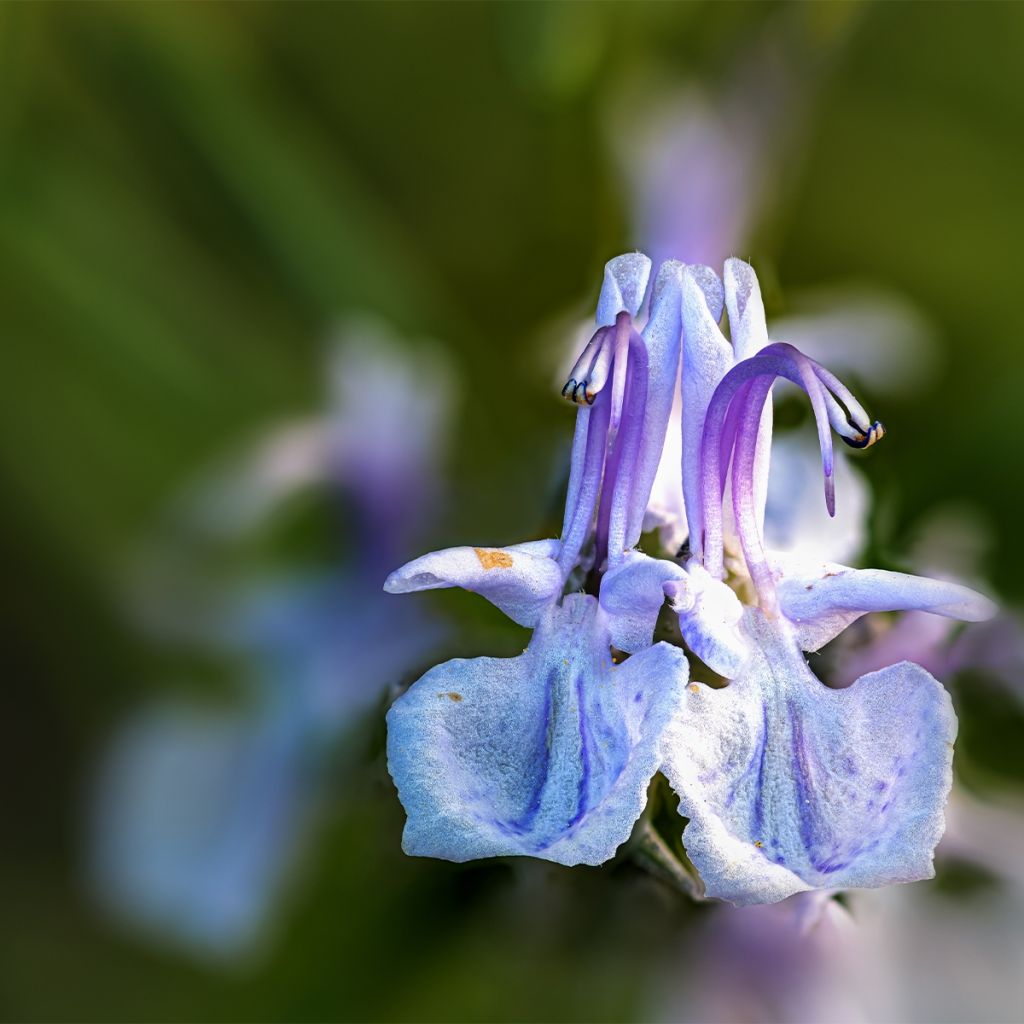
x=494 y=559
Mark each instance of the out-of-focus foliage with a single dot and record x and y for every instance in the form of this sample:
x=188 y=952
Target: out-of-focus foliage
x=192 y=196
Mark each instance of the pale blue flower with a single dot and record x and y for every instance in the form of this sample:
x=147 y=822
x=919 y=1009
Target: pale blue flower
x=549 y=754
x=789 y=785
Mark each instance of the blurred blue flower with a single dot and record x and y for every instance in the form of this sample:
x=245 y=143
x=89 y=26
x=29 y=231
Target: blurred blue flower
x=202 y=813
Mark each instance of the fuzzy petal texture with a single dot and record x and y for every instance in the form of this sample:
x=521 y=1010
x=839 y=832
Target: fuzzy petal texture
x=709 y=619
x=624 y=286
x=521 y=580
x=545 y=755
x=707 y=357
x=665 y=512
x=822 y=598
x=661 y=338
x=632 y=595
x=790 y=785
x=749 y=333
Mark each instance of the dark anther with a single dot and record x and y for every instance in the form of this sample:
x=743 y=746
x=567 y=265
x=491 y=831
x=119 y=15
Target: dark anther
x=571 y=381
x=875 y=433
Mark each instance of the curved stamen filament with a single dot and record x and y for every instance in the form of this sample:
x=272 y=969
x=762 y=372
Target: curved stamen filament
x=715 y=446
x=589 y=487
x=606 y=475
x=620 y=476
x=847 y=416
x=590 y=372
x=730 y=430
x=743 y=497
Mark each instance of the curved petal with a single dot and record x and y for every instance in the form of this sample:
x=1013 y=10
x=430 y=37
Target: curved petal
x=624 y=286
x=661 y=338
x=749 y=334
x=709 y=619
x=790 y=785
x=665 y=512
x=711 y=285
x=546 y=755
x=521 y=580
x=746 y=310
x=623 y=289
x=707 y=357
x=822 y=598
x=632 y=595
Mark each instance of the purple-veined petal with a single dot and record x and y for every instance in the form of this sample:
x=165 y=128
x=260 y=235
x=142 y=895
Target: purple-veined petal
x=521 y=580
x=632 y=595
x=822 y=598
x=790 y=785
x=709 y=619
x=546 y=755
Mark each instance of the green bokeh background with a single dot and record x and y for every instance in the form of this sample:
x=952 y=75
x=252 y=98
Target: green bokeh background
x=190 y=195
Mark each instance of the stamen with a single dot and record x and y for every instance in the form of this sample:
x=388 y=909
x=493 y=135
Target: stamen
x=743 y=497
x=580 y=372
x=774 y=361
x=623 y=341
x=590 y=372
x=874 y=433
x=847 y=416
x=584 y=493
x=731 y=431
x=603 y=478
x=620 y=476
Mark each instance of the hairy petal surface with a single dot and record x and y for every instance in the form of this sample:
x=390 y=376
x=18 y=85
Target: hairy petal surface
x=749 y=333
x=707 y=357
x=546 y=755
x=623 y=287
x=709 y=619
x=632 y=595
x=822 y=598
x=790 y=785
x=661 y=337
x=521 y=580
